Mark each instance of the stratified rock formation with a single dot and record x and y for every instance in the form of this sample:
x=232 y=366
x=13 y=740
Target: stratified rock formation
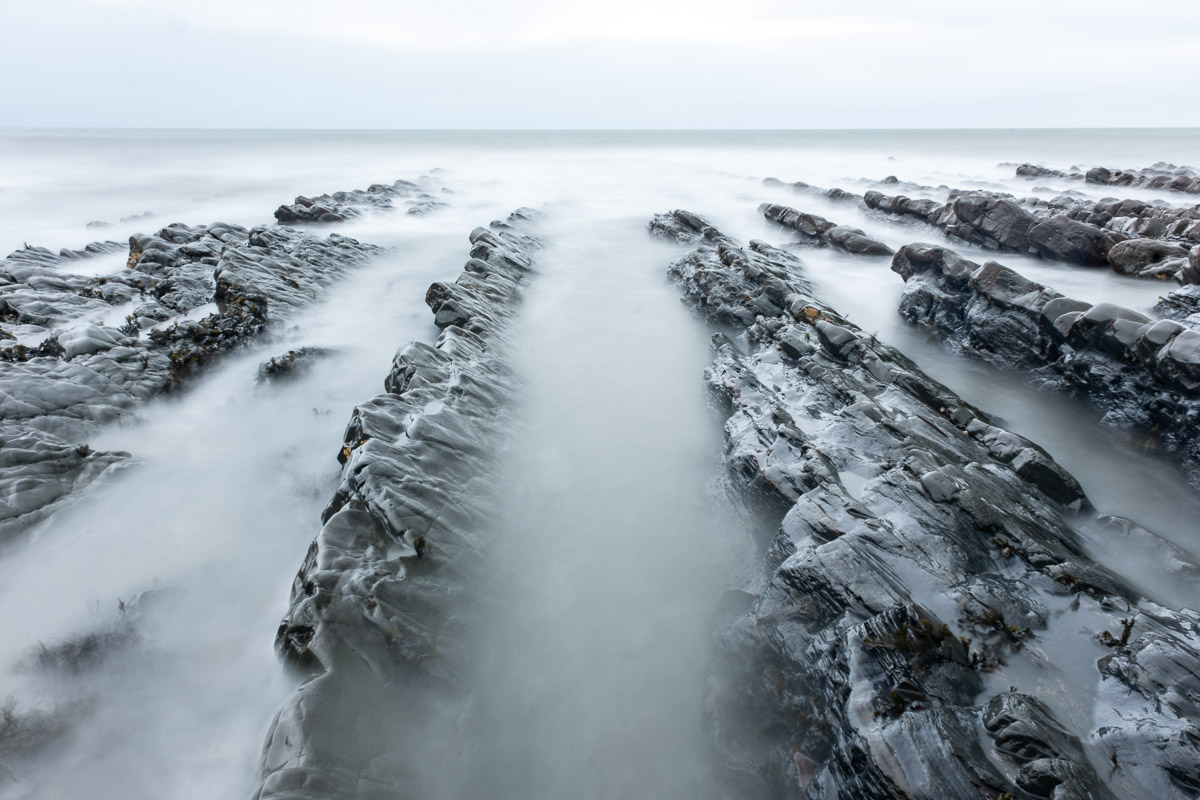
x=924 y=562
x=1133 y=237
x=1143 y=374
x=375 y=621
x=1158 y=176
x=65 y=369
x=816 y=229
x=344 y=206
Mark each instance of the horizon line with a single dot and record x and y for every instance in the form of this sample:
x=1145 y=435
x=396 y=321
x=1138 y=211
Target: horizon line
x=270 y=128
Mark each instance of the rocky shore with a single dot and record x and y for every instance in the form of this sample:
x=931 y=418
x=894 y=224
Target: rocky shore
x=1143 y=374
x=69 y=366
x=925 y=613
x=818 y=230
x=376 y=618
x=344 y=206
x=1158 y=176
x=925 y=559
x=1131 y=237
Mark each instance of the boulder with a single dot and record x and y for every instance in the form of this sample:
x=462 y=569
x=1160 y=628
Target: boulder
x=1137 y=256
x=1071 y=241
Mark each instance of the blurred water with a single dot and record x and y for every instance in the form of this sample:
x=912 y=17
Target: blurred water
x=612 y=546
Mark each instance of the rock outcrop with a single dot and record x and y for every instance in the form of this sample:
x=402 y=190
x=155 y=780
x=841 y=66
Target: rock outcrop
x=818 y=230
x=923 y=555
x=344 y=206
x=1143 y=374
x=376 y=617
x=1150 y=240
x=1158 y=176
x=65 y=369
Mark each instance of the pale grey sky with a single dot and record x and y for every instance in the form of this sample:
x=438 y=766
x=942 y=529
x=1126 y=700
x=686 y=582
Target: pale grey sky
x=615 y=64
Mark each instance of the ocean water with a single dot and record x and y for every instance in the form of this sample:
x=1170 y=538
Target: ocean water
x=615 y=540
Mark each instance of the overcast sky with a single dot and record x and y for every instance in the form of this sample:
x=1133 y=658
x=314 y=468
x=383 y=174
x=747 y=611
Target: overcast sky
x=614 y=64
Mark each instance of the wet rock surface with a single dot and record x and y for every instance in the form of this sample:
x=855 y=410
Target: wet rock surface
x=376 y=617
x=1162 y=175
x=819 y=230
x=1143 y=374
x=291 y=364
x=1133 y=237
x=924 y=559
x=417 y=198
x=67 y=366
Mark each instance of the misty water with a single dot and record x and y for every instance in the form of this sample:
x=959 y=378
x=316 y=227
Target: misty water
x=613 y=541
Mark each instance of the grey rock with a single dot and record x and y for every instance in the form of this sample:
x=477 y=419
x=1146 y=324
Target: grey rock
x=851 y=673
x=1148 y=258
x=55 y=395
x=291 y=364
x=1145 y=375
x=373 y=622
x=344 y=206
x=813 y=227
x=39 y=473
x=1071 y=241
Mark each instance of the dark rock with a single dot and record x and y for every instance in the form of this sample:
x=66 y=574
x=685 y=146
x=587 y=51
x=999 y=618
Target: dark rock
x=1150 y=703
x=1070 y=227
x=1071 y=241
x=846 y=676
x=1037 y=171
x=343 y=206
x=1148 y=258
x=852 y=240
x=1145 y=376
x=291 y=364
x=989 y=221
x=1157 y=176
x=372 y=623
x=1190 y=274
x=54 y=395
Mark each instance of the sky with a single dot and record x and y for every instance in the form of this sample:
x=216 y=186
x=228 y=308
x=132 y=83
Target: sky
x=620 y=64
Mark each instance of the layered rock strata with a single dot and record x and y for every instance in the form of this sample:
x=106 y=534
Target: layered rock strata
x=67 y=368
x=1158 y=176
x=818 y=230
x=376 y=616
x=344 y=206
x=1132 y=237
x=1144 y=374
x=924 y=563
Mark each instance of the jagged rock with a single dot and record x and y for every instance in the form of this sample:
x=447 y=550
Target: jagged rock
x=290 y=364
x=1069 y=228
x=343 y=206
x=1158 y=176
x=988 y=221
x=1148 y=728
x=1190 y=274
x=56 y=394
x=374 y=615
x=1181 y=304
x=1144 y=374
x=1052 y=762
x=1037 y=171
x=899 y=205
x=852 y=240
x=902 y=508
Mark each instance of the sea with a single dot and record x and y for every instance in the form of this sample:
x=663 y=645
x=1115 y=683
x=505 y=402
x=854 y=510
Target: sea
x=614 y=539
